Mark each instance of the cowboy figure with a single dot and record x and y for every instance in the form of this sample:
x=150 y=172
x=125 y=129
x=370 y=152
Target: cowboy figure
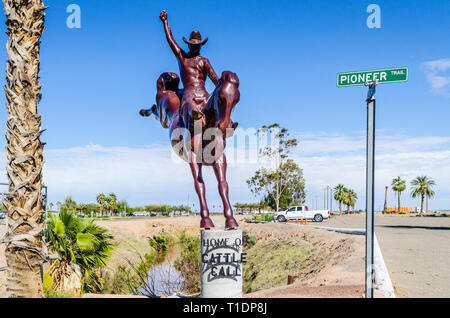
x=194 y=69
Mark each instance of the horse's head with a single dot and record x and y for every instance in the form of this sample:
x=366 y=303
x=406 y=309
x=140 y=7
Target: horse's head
x=229 y=96
x=230 y=77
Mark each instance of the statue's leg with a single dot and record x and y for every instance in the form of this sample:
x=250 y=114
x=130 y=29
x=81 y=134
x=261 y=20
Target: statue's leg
x=196 y=168
x=148 y=112
x=220 y=170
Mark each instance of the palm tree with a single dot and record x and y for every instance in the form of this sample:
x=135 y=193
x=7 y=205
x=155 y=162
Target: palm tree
x=398 y=185
x=421 y=186
x=101 y=200
x=25 y=247
x=79 y=244
x=350 y=199
x=70 y=204
x=112 y=203
x=339 y=195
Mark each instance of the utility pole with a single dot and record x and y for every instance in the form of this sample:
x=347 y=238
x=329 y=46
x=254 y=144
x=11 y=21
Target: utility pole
x=331 y=200
x=328 y=198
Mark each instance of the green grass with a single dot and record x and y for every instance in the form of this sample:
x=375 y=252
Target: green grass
x=269 y=264
x=266 y=217
x=57 y=294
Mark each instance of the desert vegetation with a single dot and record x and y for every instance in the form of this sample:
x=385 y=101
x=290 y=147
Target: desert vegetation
x=346 y=196
x=282 y=184
x=109 y=205
x=83 y=248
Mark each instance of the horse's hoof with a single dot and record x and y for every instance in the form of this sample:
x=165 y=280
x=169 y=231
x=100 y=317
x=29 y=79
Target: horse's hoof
x=231 y=223
x=235 y=125
x=145 y=112
x=206 y=223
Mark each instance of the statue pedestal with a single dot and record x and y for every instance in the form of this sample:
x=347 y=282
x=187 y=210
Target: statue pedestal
x=221 y=263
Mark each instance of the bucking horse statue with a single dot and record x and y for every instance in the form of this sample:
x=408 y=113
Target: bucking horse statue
x=191 y=114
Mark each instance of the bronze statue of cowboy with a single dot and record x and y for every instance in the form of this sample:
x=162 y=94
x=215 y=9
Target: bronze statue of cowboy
x=182 y=108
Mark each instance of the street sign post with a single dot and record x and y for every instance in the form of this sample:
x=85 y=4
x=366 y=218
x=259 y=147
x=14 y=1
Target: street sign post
x=371 y=79
x=383 y=76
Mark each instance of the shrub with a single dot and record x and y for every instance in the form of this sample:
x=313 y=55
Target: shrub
x=81 y=243
x=189 y=262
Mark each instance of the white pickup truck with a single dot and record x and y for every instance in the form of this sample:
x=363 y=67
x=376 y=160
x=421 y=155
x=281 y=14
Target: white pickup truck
x=301 y=212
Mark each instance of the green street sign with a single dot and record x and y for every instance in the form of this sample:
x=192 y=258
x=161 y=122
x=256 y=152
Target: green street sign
x=389 y=75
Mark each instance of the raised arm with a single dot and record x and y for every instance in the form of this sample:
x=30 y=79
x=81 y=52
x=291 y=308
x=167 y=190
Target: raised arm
x=172 y=43
x=210 y=72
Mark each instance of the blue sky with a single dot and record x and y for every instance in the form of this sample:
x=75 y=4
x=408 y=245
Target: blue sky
x=287 y=55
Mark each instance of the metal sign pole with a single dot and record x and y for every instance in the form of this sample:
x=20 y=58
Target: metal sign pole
x=370 y=168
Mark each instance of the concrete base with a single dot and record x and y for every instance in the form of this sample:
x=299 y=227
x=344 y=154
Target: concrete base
x=222 y=258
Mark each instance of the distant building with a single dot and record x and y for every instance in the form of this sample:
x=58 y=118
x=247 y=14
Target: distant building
x=403 y=209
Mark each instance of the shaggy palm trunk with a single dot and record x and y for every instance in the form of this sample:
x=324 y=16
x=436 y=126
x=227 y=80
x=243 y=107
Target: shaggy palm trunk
x=25 y=247
x=399 y=201
x=421 y=204
x=340 y=207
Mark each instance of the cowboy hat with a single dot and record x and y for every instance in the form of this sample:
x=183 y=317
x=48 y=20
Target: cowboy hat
x=195 y=38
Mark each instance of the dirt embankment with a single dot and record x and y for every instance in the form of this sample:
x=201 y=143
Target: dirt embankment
x=328 y=264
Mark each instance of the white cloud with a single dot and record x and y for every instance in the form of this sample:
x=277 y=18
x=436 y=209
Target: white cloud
x=149 y=175
x=323 y=143
x=437 y=73
x=329 y=159
x=140 y=175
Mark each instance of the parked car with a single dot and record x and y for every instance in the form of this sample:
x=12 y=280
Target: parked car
x=142 y=213
x=2 y=215
x=301 y=212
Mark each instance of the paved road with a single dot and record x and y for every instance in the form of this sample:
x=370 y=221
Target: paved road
x=416 y=251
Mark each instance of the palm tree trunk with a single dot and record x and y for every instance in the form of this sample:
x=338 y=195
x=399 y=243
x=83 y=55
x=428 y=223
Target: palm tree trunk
x=399 y=201
x=385 y=201
x=25 y=247
x=421 y=205
x=340 y=207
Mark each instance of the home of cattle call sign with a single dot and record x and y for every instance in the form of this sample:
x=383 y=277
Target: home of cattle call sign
x=390 y=75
